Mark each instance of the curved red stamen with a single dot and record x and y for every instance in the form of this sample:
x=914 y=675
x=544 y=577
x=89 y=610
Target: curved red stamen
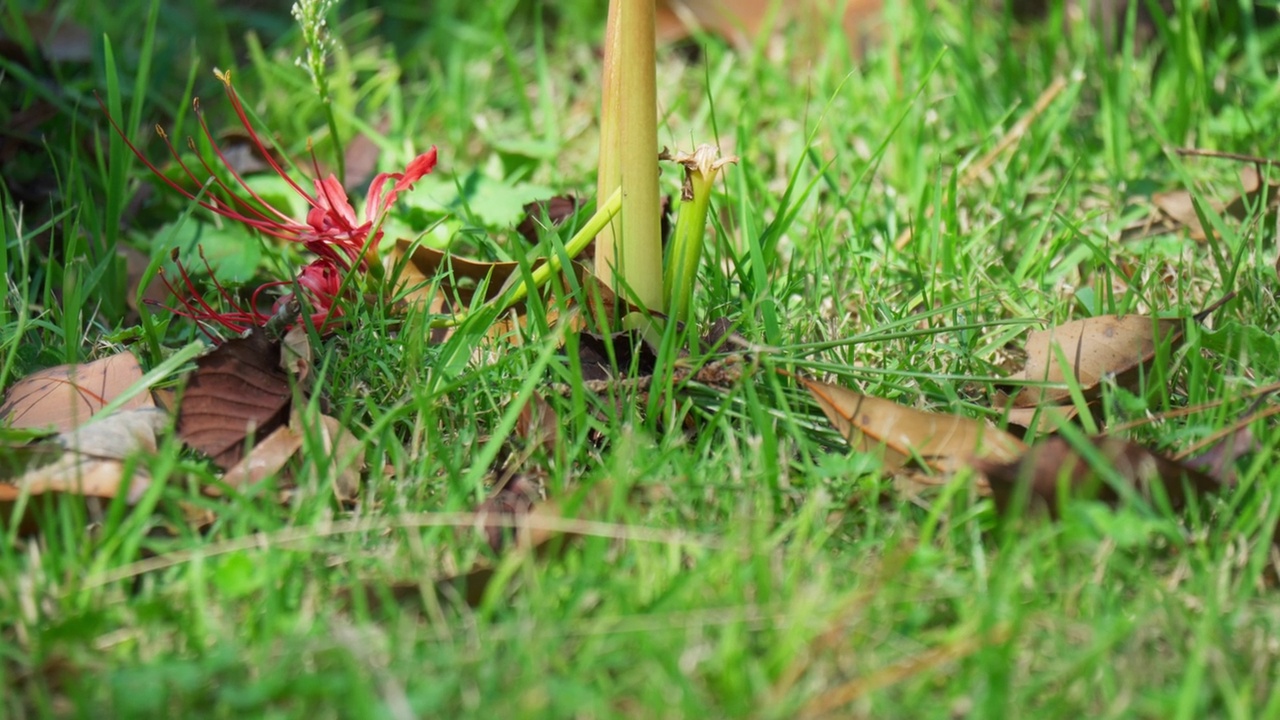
x=214 y=204
x=257 y=142
x=217 y=150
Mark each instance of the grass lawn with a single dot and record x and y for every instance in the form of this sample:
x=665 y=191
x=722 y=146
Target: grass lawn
x=896 y=225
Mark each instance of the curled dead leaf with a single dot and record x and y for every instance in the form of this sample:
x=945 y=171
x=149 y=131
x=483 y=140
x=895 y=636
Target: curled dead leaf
x=345 y=451
x=555 y=211
x=295 y=353
x=901 y=434
x=1176 y=209
x=1042 y=419
x=464 y=276
x=272 y=456
x=1085 y=352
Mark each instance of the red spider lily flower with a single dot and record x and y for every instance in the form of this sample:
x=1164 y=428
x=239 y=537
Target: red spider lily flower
x=320 y=282
x=330 y=230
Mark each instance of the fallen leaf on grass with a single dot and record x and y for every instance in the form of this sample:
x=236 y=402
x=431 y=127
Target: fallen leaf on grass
x=555 y=211
x=901 y=434
x=1176 y=209
x=1054 y=463
x=346 y=452
x=625 y=354
x=562 y=207
x=87 y=461
x=295 y=354
x=428 y=263
x=237 y=390
x=67 y=396
x=1107 y=346
x=1220 y=459
x=1042 y=419
x=272 y=456
x=1093 y=348
x=267 y=458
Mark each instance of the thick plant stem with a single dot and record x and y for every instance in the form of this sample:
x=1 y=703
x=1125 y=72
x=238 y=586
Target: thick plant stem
x=685 y=250
x=629 y=251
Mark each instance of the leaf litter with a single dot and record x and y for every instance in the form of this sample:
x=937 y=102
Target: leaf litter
x=902 y=435
x=238 y=390
x=1055 y=470
x=1179 y=210
x=89 y=461
x=64 y=397
x=1082 y=354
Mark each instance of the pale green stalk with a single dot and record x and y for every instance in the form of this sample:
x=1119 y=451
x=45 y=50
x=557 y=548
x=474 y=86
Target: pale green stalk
x=629 y=254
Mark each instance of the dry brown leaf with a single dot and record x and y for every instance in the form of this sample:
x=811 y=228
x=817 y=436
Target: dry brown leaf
x=1054 y=461
x=1220 y=459
x=1046 y=418
x=89 y=461
x=1094 y=348
x=346 y=452
x=273 y=455
x=295 y=353
x=429 y=262
x=66 y=396
x=555 y=210
x=1178 y=206
x=943 y=442
x=265 y=459
x=1176 y=209
x=237 y=390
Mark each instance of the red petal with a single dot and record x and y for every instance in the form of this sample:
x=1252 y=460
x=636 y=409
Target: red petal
x=331 y=204
x=419 y=166
x=376 y=204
